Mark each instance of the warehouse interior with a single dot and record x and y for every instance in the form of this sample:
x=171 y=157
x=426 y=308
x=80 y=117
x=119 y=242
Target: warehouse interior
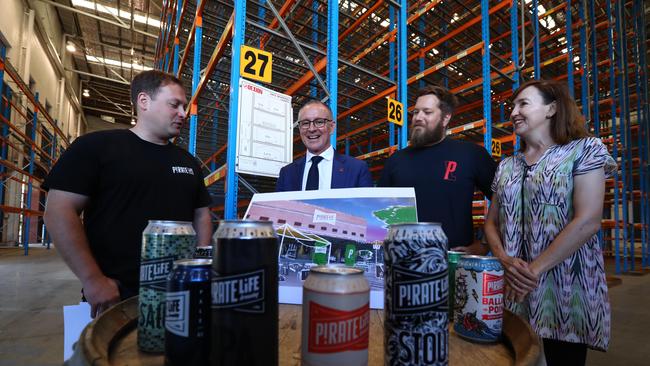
x=65 y=68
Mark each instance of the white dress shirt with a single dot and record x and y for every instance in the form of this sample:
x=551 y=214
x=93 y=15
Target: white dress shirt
x=324 y=169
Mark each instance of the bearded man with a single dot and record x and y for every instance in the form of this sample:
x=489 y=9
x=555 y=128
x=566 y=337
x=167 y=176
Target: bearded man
x=443 y=171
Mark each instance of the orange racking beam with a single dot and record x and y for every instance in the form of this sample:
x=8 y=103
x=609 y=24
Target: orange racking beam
x=28 y=212
x=215 y=176
x=226 y=36
x=360 y=20
x=320 y=65
x=412 y=79
x=190 y=38
x=32 y=99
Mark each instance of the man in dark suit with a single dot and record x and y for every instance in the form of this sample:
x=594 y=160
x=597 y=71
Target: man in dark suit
x=321 y=167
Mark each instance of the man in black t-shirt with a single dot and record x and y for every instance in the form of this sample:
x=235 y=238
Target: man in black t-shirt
x=444 y=172
x=119 y=180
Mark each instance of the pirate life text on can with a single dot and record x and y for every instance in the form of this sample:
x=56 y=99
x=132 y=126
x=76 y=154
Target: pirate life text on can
x=479 y=298
x=187 y=313
x=245 y=294
x=452 y=260
x=335 y=317
x=163 y=242
x=416 y=306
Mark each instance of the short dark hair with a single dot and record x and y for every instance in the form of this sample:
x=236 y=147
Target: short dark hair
x=150 y=82
x=567 y=124
x=448 y=101
x=317 y=102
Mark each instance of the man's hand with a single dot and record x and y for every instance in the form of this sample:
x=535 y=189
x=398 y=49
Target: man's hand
x=101 y=294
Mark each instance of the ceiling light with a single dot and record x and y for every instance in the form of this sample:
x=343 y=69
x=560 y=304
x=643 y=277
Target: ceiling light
x=133 y=121
x=86 y=93
x=115 y=12
x=70 y=47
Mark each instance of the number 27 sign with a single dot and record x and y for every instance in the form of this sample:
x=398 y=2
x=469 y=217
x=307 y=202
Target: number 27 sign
x=256 y=64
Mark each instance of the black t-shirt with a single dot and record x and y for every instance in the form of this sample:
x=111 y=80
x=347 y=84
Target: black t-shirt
x=444 y=177
x=128 y=181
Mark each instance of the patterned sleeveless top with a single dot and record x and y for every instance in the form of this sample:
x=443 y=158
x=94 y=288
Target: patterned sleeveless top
x=571 y=302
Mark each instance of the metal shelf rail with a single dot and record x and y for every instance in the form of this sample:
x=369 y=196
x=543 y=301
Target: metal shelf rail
x=31 y=141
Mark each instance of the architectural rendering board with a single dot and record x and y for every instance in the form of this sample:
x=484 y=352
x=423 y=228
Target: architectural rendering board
x=337 y=226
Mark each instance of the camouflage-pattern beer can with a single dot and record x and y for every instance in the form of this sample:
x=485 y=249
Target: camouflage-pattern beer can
x=335 y=317
x=163 y=242
x=479 y=298
x=452 y=259
x=416 y=306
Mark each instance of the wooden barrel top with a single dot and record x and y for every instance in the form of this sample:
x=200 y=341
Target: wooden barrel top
x=111 y=340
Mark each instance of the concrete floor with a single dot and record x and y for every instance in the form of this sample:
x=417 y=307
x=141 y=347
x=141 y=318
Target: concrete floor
x=33 y=290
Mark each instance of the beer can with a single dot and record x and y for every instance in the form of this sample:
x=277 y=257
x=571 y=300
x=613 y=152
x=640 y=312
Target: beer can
x=245 y=294
x=479 y=298
x=416 y=306
x=335 y=317
x=452 y=262
x=163 y=242
x=187 y=313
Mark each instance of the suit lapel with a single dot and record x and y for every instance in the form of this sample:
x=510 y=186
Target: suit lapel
x=300 y=170
x=338 y=171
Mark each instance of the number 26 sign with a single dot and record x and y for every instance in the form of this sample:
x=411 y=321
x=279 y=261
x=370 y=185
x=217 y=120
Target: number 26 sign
x=256 y=64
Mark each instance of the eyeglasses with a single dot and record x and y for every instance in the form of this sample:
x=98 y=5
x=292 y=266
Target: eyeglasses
x=318 y=123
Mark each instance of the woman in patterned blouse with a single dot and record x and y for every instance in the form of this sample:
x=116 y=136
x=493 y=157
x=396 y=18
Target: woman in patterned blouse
x=546 y=210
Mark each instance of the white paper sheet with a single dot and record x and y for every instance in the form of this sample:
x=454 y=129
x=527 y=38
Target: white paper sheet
x=75 y=318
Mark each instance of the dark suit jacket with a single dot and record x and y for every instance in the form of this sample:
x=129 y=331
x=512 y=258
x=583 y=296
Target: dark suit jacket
x=347 y=172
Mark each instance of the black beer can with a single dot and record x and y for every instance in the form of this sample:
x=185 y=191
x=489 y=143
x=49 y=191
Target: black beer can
x=245 y=294
x=187 y=313
x=415 y=310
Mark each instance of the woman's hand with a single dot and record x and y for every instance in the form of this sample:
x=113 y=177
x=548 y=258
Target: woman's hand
x=520 y=279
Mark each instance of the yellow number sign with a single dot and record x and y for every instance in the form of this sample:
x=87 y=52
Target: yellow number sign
x=395 y=112
x=496 y=148
x=256 y=64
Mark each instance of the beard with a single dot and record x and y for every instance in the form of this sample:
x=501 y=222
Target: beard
x=425 y=136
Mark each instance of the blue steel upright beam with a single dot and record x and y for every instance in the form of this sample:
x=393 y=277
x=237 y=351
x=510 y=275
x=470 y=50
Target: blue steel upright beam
x=333 y=60
x=644 y=125
x=196 y=76
x=30 y=185
x=315 y=25
x=239 y=27
x=487 y=104
x=569 y=48
x=629 y=182
x=176 y=40
x=583 y=61
x=402 y=73
x=4 y=107
x=422 y=56
x=514 y=46
x=169 y=31
x=535 y=21
x=636 y=49
x=391 y=66
x=620 y=33
x=612 y=88
x=595 y=117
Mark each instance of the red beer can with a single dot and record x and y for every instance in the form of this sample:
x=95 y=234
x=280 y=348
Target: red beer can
x=335 y=317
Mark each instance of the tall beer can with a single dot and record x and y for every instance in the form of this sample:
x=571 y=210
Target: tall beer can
x=163 y=242
x=335 y=317
x=479 y=298
x=415 y=310
x=245 y=294
x=187 y=313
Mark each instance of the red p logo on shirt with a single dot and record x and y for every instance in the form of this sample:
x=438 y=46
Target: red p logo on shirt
x=450 y=168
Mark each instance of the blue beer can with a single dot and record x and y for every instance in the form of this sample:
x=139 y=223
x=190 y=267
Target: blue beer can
x=187 y=313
